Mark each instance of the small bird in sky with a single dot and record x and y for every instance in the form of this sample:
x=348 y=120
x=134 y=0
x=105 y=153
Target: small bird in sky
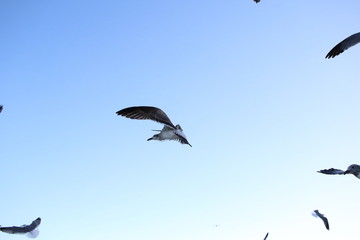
x=1 y=108
x=325 y=220
x=343 y=45
x=352 y=169
x=169 y=131
x=266 y=236
x=30 y=230
x=257 y=1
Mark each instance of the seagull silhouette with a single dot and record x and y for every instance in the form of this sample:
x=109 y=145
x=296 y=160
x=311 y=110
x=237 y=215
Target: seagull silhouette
x=169 y=131
x=29 y=230
x=353 y=169
x=343 y=45
x=316 y=213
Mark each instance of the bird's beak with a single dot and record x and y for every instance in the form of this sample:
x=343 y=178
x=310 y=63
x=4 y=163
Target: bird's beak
x=346 y=172
x=150 y=139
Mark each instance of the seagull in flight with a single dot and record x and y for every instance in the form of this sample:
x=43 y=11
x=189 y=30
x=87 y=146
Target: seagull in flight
x=169 y=131
x=343 y=45
x=353 y=169
x=325 y=220
x=30 y=230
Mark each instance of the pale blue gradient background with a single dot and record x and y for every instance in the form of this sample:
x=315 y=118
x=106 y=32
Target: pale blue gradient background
x=249 y=84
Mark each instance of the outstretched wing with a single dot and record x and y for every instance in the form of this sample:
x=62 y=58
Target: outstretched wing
x=33 y=225
x=145 y=112
x=343 y=45
x=331 y=171
x=325 y=220
x=181 y=137
x=266 y=236
x=22 y=229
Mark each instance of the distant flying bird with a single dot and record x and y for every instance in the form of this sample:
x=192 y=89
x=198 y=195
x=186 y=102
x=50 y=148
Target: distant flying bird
x=352 y=169
x=266 y=236
x=343 y=45
x=30 y=230
x=257 y=1
x=326 y=222
x=1 y=108
x=169 y=131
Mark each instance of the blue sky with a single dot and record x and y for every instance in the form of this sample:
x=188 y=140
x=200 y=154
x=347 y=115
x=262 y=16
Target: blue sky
x=249 y=84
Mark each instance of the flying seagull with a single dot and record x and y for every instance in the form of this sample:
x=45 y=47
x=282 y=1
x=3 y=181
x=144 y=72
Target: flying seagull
x=169 y=131
x=266 y=236
x=326 y=222
x=353 y=169
x=343 y=45
x=30 y=230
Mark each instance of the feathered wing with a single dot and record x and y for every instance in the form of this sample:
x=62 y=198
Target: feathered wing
x=266 y=236
x=344 y=45
x=34 y=225
x=22 y=229
x=182 y=137
x=331 y=171
x=145 y=112
x=325 y=220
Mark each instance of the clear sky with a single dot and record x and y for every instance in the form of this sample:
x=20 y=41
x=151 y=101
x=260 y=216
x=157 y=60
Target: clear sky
x=249 y=84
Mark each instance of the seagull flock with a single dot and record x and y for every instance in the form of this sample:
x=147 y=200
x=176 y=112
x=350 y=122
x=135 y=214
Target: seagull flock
x=175 y=132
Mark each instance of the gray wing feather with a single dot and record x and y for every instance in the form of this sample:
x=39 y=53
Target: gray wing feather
x=22 y=229
x=182 y=137
x=266 y=236
x=145 y=112
x=325 y=220
x=331 y=171
x=344 y=45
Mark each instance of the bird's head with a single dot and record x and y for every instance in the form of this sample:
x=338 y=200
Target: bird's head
x=353 y=169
